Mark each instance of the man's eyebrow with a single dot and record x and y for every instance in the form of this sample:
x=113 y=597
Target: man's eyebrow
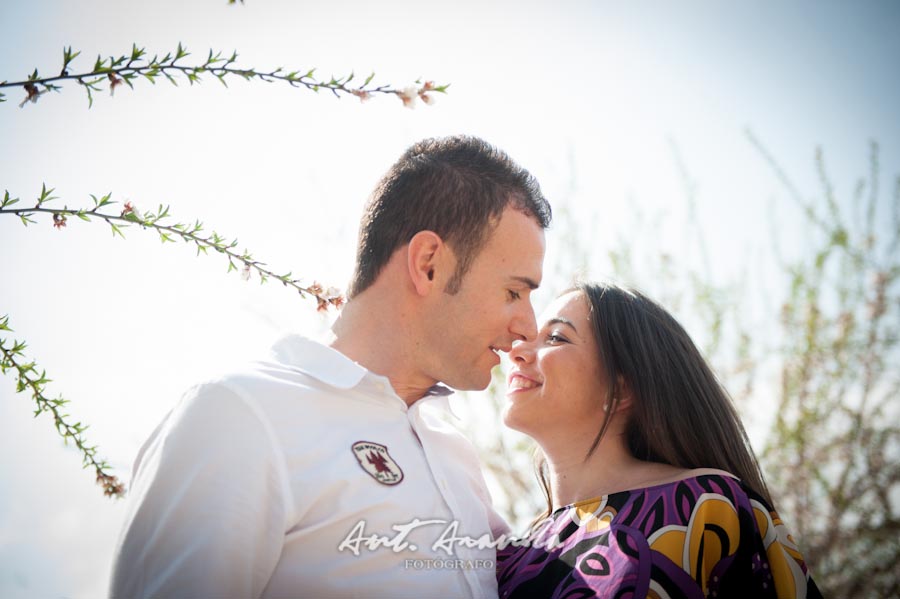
x=561 y=320
x=530 y=283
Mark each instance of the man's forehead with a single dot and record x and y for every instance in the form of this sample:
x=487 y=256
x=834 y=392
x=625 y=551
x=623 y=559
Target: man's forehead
x=514 y=252
x=518 y=228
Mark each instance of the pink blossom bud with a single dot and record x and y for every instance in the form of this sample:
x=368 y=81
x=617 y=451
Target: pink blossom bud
x=363 y=95
x=32 y=94
x=113 y=83
x=409 y=95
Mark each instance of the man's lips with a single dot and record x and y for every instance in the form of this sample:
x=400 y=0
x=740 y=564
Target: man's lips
x=496 y=349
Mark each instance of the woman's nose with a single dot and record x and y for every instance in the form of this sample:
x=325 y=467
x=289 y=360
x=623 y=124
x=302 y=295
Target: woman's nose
x=522 y=351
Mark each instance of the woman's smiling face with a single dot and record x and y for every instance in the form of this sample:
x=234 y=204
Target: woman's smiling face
x=557 y=388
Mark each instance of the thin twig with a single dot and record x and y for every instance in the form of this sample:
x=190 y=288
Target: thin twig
x=126 y=68
x=28 y=379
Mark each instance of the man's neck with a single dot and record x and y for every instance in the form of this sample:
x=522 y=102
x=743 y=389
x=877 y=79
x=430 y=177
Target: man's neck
x=383 y=343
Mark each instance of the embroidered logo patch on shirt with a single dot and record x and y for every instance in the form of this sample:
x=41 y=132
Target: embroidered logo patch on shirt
x=376 y=460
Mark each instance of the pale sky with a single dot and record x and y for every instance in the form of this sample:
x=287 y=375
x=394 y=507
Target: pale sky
x=587 y=95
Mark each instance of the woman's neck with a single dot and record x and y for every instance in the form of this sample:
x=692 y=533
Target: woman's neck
x=609 y=469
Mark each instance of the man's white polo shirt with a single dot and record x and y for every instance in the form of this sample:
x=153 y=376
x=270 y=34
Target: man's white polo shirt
x=306 y=476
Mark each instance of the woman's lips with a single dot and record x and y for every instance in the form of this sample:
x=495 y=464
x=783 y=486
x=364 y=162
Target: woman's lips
x=520 y=382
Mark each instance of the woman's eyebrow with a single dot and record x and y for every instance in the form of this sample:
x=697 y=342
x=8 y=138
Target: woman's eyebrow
x=561 y=320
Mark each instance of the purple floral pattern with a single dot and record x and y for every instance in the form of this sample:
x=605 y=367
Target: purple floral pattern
x=707 y=536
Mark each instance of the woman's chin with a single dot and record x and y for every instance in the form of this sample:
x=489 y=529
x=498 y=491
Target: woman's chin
x=514 y=421
x=509 y=419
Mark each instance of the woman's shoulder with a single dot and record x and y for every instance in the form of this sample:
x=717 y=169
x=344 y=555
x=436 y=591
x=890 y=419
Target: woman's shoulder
x=702 y=481
x=710 y=480
x=690 y=489
x=723 y=482
x=713 y=481
x=718 y=481
x=694 y=472
x=683 y=474
x=675 y=498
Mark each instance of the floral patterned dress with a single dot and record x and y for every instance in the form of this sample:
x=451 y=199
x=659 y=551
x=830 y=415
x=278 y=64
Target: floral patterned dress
x=707 y=536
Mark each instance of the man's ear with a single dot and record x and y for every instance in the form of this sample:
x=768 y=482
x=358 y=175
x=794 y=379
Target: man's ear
x=423 y=256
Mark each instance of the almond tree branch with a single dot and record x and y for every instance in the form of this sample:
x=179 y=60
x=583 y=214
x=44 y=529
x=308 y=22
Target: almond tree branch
x=13 y=358
x=162 y=222
x=126 y=68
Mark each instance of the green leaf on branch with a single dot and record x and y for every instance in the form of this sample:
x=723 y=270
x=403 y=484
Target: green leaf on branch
x=68 y=56
x=45 y=194
x=137 y=53
x=102 y=201
x=7 y=201
x=117 y=230
x=180 y=52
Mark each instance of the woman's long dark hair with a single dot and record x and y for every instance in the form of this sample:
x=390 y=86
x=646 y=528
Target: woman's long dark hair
x=681 y=415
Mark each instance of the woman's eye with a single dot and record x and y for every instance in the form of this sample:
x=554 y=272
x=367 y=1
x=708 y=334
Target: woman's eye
x=556 y=338
x=513 y=295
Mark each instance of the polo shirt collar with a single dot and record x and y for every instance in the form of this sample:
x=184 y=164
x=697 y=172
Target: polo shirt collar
x=318 y=361
x=332 y=367
x=438 y=390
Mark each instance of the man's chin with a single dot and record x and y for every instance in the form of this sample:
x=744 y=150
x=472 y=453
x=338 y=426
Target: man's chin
x=471 y=383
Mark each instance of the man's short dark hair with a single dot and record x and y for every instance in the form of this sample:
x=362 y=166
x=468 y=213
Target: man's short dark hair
x=456 y=187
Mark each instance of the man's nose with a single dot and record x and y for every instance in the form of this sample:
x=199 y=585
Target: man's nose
x=524 y=325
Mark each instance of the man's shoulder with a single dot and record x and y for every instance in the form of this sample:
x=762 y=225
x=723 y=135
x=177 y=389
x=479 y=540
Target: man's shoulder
x=315 y=360
x=293 y=360
x=250 y=384
x=297 y=372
